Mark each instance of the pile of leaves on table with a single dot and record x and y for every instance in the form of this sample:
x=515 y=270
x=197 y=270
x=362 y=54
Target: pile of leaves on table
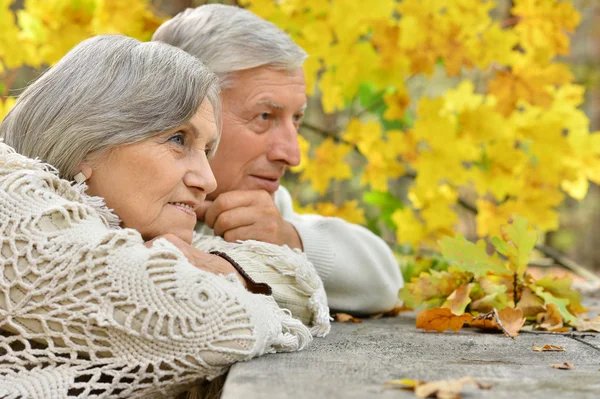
x=468 y=286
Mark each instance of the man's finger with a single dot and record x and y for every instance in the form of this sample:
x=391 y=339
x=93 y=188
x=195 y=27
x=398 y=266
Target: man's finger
x=201 y=210
x=227 y=201
x=234 y=218
x=241 y=233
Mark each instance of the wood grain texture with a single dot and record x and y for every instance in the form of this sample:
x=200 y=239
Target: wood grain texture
x=355 y=361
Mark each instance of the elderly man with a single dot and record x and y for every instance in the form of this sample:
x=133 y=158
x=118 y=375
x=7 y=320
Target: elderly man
x=264 y=98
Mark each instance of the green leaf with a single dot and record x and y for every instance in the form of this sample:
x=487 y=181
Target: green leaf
x=471 y=257
x=524 y=242
x=561 y=304
x=502 y=247
x=383 y=200
x=386 y=202
x=561 y=287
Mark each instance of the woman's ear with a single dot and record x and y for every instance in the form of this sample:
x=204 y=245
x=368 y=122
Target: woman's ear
x=83 y=173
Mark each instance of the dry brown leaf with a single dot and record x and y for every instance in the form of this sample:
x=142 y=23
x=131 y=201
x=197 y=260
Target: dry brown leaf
x=443 y=389
x=344 y=317
x=392 y=313
x=548 y=348
x=485 y=324
x=441 y=319
x=511 y=320
x=551 y=320
x=586 y=324
x=564 y=366
x=530 y=303
x=508 y=320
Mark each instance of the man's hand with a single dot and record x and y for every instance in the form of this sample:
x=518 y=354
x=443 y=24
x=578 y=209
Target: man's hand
x=248 y=215
x=207 y=262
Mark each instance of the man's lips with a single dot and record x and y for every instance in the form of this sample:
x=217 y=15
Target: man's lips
x=268 y=183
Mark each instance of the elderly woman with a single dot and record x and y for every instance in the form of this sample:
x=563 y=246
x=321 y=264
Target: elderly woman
x=103 y=290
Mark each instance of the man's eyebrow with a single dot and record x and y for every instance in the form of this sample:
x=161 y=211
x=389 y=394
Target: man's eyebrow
x=270 y=103
x=303 y=108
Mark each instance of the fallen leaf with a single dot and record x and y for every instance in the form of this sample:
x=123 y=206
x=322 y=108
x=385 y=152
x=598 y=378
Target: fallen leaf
x=586 y=324
x=511 y=320
x=405 y=383
x=393 y=313
x=459 y=299
x=443 y=389
x=441 y=319
x=530 y=303
x=508 y=320
x=344 y=317
x=564 y=366
x=551 y=320
x=485 y=324
x=548 y=348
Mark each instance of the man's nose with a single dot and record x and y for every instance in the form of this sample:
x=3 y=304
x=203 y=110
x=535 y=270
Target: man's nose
x=284 y=146
x=200 y=175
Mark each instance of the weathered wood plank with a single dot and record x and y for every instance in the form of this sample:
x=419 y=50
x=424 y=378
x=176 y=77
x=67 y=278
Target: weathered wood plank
x=355 y=360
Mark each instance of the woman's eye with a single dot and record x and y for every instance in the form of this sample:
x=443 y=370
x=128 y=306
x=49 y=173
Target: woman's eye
x=178 y=139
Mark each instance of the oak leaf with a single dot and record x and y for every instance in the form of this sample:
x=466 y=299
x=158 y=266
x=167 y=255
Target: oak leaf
x=458 y=301
x=344 y=317
x=563 y=366
x=511 y=320
x=530 y=304
x=548 y=348
x=508 y=320
x=471 y=257
x=587 y=324
x=442 y=389
x=560 y=303
x=441 y=319
x=551 y=320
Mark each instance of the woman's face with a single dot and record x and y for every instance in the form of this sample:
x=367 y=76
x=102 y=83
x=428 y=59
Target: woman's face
x=154 y=186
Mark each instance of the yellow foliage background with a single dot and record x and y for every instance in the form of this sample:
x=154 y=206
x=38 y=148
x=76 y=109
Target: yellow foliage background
x=506 y=138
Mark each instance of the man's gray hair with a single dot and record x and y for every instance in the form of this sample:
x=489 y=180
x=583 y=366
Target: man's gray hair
x=230 y=39
x=107 y=91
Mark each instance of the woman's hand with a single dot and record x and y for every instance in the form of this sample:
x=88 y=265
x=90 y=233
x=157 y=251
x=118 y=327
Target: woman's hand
x=202 y=260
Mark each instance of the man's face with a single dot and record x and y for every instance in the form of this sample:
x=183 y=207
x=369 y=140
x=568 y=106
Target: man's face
x=261 y=116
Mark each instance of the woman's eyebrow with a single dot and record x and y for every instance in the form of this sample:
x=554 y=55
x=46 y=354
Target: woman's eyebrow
x=193 y=130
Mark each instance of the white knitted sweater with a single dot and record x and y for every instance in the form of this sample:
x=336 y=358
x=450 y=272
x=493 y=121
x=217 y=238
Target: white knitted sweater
x=87 y=311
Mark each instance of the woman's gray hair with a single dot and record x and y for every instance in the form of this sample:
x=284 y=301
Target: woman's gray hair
x=230 y=39
x=107 y=91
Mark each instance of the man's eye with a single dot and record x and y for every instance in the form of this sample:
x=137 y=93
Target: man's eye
x=265 y=116
x=298 y=117
x=178 y=138
x=207 y=151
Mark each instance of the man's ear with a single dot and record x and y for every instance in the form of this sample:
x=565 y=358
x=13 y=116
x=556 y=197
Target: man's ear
x=83 y=172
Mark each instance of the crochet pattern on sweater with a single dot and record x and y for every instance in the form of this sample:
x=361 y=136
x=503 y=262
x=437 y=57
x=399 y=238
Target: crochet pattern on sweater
x=87 y=311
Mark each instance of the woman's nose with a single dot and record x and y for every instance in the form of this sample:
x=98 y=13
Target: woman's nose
x=200 y=176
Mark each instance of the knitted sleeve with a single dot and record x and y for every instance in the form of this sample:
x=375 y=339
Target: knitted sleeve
x=295 y=284
x=87 y=311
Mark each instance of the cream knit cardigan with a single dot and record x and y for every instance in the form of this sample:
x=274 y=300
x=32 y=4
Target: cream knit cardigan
x=87 y=311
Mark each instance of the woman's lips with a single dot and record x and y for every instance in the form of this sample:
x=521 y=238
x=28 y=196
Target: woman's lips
x=269 y=184
x=184 y=209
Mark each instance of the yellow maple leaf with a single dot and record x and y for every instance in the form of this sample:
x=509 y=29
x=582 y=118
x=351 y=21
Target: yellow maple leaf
x=327 y=164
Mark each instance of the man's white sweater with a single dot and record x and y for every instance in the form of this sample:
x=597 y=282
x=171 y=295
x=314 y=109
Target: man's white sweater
x=357 y=267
